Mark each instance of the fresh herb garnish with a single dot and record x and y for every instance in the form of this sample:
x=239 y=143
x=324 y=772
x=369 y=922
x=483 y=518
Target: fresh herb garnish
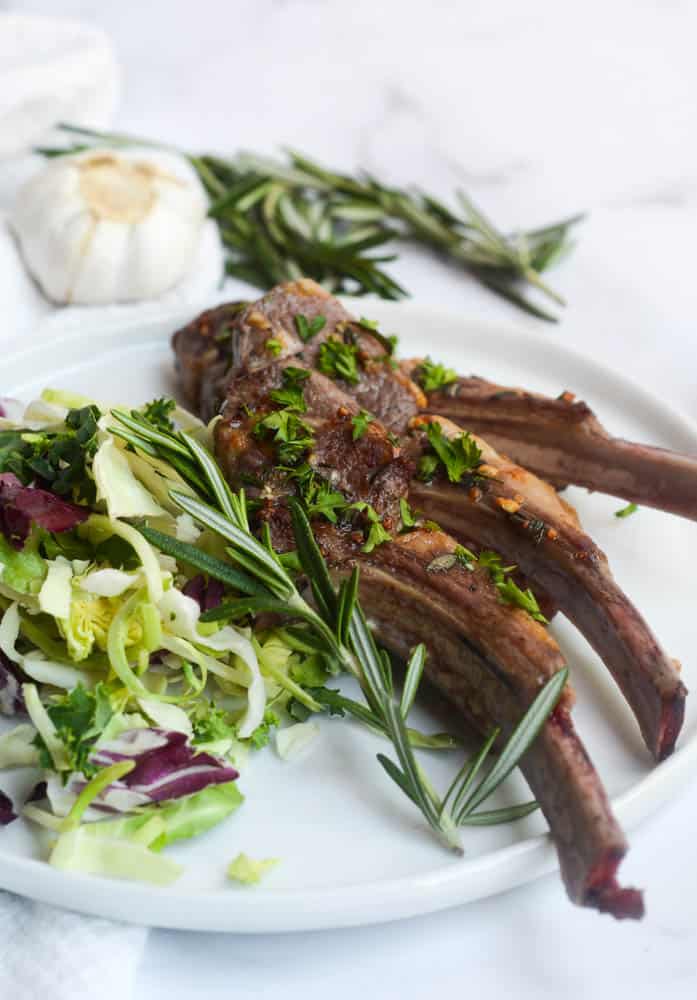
x=512 y=594
x=508 y=589
x=360 y=423
x=321 y=499
x=377 y=534
x=432 y=375
x=308 y=328
x=291 y=436
x=273 y=346
x=458 y=455
x=338 y=360
x=406 y=514
x=290 y=395
x=631 y=508
x=158 y=412
x=465 y=557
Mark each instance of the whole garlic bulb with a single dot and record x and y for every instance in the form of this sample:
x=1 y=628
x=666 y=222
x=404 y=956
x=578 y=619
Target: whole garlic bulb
x=109 y=225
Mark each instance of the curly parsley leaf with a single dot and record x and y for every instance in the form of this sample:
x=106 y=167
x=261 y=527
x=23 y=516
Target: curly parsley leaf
x=406 y=514
x=511 y=593
x=291 y=436
x=291 y=394
x=432 y=375
x=308 y=328
x=360 y=423
x=458 y=456
x=339 y=360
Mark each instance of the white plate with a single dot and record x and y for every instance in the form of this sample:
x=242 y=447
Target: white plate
x=352 y=849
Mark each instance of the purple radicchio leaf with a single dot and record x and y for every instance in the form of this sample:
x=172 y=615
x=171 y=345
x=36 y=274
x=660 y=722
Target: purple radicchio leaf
x=20 y=505
x=11 y=697
x=208 y=594
x=167 y=767
x=37 y=794
x=7 y=813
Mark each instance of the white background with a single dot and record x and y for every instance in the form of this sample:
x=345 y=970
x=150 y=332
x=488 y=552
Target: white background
x=538 y=109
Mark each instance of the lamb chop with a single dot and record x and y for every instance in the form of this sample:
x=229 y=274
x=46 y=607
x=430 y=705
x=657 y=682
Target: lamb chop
x=289 y=430
x=506 y=509
x=563 y=441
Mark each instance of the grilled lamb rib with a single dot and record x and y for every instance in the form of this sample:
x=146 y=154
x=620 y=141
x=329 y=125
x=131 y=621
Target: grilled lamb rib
x=511 y=511
x=488 y=658
x=562 y=441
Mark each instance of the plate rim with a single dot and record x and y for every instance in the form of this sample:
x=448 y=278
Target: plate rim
x=443 y=886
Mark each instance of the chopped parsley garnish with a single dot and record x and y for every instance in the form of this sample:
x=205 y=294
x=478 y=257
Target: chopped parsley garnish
x=290 y=395
x=377 y=534
x=465 y=557
x=322 y=499
x=458 y=455
x=369 y=324
x=273 y=346
x=508 y=589
x=316 y=493
x=493 y=562
x=307 y=328
x=157 y=413
x=525 y=599
x=291 y=435
x=631 y=508
x=360 y=423
x=406 y=514
x=432 y=375
x=338 y=360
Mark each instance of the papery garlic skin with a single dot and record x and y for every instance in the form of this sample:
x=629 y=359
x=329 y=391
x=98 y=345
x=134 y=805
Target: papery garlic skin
x=110 y=225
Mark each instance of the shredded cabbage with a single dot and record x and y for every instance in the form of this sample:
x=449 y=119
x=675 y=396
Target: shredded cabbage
x=55 y=593
x=167 y=716
x=16 y=747
x=48 y=732
x=123 y=494
x=109 y=582
x=249 y=871
x=293 y=741
x=77 y=851
x=180 y=615
x=142 y=548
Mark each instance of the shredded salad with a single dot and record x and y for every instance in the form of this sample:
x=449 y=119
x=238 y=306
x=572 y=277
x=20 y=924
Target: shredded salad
x=137 y=715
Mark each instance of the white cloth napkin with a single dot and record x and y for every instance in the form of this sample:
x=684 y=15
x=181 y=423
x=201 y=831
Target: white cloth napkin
x=47 y=952
x=51 y=70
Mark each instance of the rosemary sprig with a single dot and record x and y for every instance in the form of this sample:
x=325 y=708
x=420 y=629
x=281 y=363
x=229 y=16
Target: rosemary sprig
x=281 y=219
x=340 y=631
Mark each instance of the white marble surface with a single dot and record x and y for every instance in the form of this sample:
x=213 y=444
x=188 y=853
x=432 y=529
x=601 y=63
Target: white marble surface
x=538 y=109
